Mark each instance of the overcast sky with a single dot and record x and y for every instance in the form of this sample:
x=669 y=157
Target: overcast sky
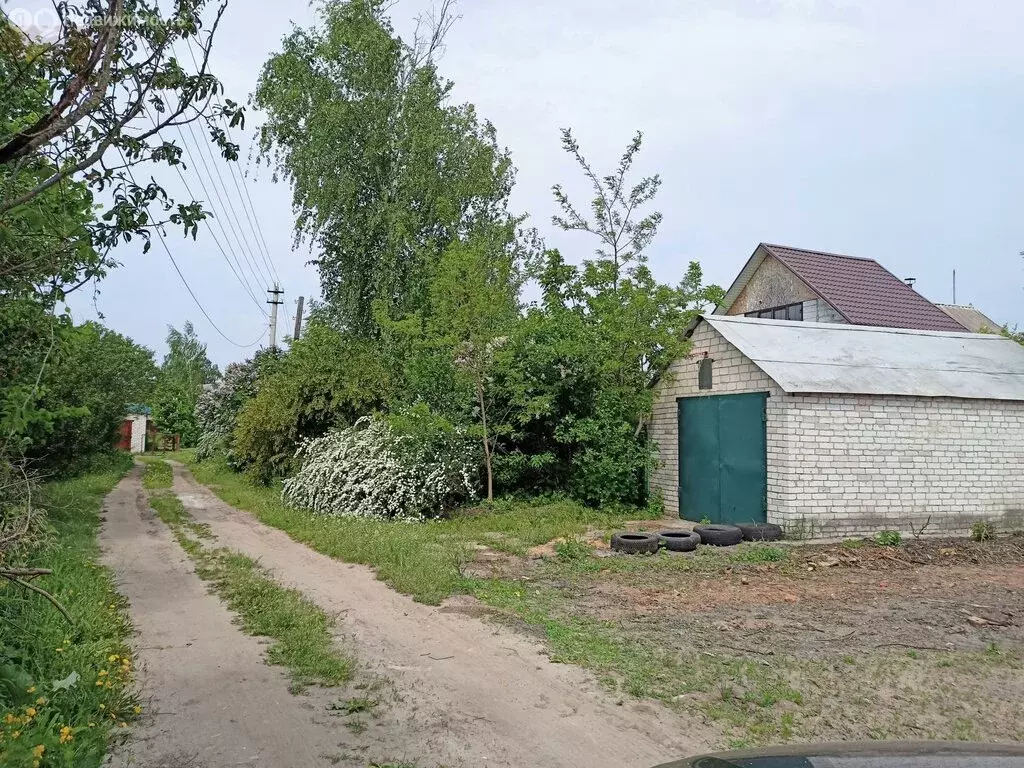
x=884 y=129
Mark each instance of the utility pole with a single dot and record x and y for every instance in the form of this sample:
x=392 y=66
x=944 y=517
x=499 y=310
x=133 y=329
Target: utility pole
x=274 y=303
x=298 y=319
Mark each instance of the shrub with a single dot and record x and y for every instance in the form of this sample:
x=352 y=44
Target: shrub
x=888 y=538
x=411 y=466
x=983 y=531
x=327 y=380
x=573 y=549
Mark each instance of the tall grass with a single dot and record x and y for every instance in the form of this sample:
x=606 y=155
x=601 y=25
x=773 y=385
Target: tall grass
x=64 y=688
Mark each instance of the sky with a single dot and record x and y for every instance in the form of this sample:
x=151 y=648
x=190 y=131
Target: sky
x=888 y=129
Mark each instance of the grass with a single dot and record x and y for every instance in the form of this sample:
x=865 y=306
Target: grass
x=302 y=632
x=54 y=675
x=158 y=474
x=422 y=560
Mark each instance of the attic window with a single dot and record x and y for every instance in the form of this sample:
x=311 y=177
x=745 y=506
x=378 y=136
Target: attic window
x=785 y=312
x=704 y=373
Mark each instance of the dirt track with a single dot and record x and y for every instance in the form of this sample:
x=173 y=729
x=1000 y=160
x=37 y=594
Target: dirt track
x=458 y=691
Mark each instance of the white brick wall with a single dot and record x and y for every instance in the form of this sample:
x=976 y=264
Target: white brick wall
x=856 y=464
x=861 y=463
x=732 y=374
x=818 y=311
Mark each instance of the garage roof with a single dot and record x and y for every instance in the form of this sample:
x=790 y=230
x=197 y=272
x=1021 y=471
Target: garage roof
x=853 y=359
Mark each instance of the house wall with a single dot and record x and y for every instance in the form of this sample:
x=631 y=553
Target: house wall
x=138 y=432
x=850 y=465
x=773 y=284
x=732 y=374
x=859 y=464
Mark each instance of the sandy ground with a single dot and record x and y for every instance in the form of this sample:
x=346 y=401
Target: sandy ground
x=454 y=690
x=209 y=698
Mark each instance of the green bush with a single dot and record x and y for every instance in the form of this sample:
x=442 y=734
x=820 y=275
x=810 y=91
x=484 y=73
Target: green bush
x=327 y=380
x=983 y=531
x=888 y=538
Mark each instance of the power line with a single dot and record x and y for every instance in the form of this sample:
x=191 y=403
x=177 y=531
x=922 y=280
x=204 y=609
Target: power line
x=177 y=269
x=242 y=279
x=243 y=245
x=260 y=240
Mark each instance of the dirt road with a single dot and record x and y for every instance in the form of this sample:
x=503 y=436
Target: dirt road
x=456 y=691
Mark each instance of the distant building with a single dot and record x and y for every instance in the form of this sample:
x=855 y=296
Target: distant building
x=974 y=320
x=783 y=283
x=134 y=428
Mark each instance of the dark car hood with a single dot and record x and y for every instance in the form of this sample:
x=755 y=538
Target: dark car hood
x=873 y=754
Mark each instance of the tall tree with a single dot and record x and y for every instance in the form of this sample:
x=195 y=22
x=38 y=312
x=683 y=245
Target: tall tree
x=474 y=306
x=385 y=172
x=184 y=372
x=78 y=113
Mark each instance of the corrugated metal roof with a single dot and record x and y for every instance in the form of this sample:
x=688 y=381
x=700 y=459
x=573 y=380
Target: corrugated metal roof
x=970 y=318
x=853 y=359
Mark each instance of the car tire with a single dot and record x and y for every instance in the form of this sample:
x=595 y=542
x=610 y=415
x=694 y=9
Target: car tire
x=679 y=541
x=760 y=531
x=719 y=535
x=636 y=543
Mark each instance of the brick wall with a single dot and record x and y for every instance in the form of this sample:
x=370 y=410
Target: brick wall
x=733 y=374
x=859 y=464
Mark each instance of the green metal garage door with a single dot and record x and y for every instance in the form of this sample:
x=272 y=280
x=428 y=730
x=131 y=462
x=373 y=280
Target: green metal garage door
x=723 y=468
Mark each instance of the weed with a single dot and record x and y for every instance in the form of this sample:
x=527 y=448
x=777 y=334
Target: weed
x=356 y=726
x=48 y=668
x=356 y=705
x=158 y=474
x=888 y=538
x=852 y=543
x=849 y=660
x=573 y=549
x=304 y=644
x=705 y=520
x=993 y=651
x=964 y=730
x=760 y=554
x=912 y=654
x=983 y=531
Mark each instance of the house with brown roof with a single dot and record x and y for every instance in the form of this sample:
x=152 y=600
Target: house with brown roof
x=783 y=283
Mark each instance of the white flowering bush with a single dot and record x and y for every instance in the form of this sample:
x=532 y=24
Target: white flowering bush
x=219 y=404
x=412 y=466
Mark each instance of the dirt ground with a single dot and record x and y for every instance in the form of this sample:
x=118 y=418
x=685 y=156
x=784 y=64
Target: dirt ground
x=453 y=690
x=921 y=641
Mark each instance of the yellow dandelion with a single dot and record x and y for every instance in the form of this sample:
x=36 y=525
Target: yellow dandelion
x=16 y=734
x=103 y=673
x=122 y=725
x=66 y=734
x=99 y=682
x=37 y=751
x=30 y=711
x=9 y=718
x=59 y=650
x=30 y=689
x=113 y=657
x=103 y=706
x=92 y=725
x=41 y=700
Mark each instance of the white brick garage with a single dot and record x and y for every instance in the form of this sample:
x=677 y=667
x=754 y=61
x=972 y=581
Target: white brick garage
x=867 y=428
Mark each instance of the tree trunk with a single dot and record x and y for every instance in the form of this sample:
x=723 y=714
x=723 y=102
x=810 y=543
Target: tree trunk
x=487 y=442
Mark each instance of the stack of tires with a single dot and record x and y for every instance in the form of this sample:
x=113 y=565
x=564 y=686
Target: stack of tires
x=636 y=543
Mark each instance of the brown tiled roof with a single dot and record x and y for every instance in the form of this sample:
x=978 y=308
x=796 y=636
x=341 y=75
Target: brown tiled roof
x=863 y=291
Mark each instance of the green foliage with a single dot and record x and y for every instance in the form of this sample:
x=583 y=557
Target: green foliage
x=761 y=554
x=328 y=379
x=852 y=543
x=888 y=538
x=983 y=531
x=573 y=549
x=185 y=371
x=97 y=373
x=385 y=172
x=43 y=658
